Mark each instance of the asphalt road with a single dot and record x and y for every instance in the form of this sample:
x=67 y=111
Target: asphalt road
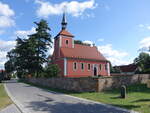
x=10 y=109
x=31 y=99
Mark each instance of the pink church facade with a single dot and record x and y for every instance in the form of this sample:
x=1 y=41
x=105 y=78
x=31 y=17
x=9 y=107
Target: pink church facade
x=76 y=60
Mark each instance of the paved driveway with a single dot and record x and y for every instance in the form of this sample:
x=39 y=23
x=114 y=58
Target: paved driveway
x=35 y=100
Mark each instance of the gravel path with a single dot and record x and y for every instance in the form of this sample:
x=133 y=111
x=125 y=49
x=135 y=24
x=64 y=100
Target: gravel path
x=31 y=99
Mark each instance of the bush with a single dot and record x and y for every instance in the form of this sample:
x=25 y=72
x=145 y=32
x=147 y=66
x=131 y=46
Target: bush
x=52 y=70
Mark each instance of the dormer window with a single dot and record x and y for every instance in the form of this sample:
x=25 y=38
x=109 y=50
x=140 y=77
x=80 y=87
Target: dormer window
x=67 y=42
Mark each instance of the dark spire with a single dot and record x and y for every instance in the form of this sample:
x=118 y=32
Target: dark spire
x=64 y=21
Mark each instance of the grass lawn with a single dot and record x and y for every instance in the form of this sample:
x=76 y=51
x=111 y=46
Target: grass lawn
x=138 y=97
x=4 y=99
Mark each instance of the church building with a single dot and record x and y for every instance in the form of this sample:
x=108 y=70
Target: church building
x=77 y=60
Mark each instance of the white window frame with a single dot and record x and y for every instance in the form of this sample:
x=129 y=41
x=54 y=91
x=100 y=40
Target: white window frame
x=76 y=66
x=83 y=66
x=88 y=66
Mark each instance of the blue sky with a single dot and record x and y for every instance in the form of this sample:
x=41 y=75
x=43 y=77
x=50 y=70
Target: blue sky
x=119 y=28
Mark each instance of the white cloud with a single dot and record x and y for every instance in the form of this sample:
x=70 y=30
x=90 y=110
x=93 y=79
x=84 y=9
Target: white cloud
x=141 y=25
x=74 y=8
x=50 y=52
x=144 y=26
x=6 y=21
x=25 y=33
x=88 y=42
x=148 y=27
x=109 y=51
x=5 y=10
x=6 y=16
x=145 y=43
x=116 y=57
x=5 y=46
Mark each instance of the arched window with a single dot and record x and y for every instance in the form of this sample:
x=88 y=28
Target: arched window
x=74 y=65
x=89 y=66
x=67 y=42
x=100 y=67
x=106 y=67
x=82 y=66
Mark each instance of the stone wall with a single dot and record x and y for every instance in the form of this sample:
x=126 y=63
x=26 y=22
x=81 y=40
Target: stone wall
x=90 y=84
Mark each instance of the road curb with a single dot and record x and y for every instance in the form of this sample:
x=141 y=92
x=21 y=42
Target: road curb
x=21 y=108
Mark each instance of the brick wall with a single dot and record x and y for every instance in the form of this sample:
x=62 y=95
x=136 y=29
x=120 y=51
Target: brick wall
x=90 y=84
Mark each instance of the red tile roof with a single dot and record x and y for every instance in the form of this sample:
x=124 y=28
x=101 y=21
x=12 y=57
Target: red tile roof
x=128 y=68
x=65 y=33
x=82 y=52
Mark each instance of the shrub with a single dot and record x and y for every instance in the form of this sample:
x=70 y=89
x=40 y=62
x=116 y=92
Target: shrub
x=52 y=70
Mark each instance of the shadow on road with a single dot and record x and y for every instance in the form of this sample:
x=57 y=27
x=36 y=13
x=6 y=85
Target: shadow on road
x=60 y=107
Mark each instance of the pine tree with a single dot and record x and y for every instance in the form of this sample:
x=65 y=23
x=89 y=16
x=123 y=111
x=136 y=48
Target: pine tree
x=41 y=41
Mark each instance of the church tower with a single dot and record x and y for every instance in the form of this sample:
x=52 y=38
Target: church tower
x=63 y=39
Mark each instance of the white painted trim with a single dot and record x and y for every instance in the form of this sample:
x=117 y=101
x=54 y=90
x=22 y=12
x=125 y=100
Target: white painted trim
x=72 y=43
x=93 y=67
x=88 y=66
x=76 y=66
x=65 y=66
x=108 y=69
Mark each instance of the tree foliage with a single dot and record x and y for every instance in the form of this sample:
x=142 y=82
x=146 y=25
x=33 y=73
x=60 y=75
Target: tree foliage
x=143 y=61
x=30 y=54
x=52 y=70
x=40 y=41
